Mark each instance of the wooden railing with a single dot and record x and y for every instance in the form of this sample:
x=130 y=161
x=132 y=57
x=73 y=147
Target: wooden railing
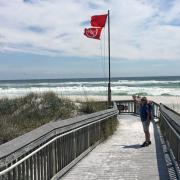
x=51 y=150
x=170 y=127
x=169 y=122
x=129 y=106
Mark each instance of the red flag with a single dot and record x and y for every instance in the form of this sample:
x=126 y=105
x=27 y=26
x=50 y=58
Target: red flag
x=94 y=33
x=98 y=20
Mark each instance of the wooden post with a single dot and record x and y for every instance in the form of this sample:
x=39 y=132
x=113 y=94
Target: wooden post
x=109 y=84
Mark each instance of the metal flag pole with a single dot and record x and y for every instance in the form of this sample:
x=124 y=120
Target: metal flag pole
x=109 y=84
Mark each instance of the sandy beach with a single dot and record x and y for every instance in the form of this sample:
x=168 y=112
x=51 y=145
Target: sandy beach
x=158 y=99
x=171 y=101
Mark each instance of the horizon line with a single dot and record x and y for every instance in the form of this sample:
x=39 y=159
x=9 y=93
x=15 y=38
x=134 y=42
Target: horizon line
x=88 y=78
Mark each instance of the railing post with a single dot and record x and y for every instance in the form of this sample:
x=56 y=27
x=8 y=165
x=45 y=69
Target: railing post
x=53 y=159
x=134 y=107
x=99 y=130
x=88 y=137
x=178 y=150
x=74 y=142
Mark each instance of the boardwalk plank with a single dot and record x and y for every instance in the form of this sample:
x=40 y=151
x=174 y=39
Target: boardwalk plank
x=122 y=158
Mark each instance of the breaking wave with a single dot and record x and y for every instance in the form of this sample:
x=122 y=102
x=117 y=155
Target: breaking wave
x=119 y=87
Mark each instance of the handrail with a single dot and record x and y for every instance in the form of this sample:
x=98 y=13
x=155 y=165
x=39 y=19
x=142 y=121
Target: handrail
x=43 y=152
x=130 y=106
x=170 y=127
x=172 y=117
x=25 y=142
x=46 y=144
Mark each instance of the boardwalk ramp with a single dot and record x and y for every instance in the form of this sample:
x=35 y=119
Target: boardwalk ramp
x=121 y=156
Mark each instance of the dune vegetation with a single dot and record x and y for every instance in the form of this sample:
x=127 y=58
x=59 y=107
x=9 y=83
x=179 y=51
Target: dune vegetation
x=21 y=115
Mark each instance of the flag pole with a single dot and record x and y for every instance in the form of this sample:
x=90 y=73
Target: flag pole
x=109 y=84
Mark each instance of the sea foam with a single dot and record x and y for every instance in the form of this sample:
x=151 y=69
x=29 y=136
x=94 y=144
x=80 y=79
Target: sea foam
x=91 y=87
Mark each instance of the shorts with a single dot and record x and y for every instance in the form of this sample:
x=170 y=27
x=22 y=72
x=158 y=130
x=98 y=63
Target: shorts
x=146 y=125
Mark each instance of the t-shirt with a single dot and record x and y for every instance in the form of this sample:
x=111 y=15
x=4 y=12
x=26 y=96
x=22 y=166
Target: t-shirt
x=144 y=110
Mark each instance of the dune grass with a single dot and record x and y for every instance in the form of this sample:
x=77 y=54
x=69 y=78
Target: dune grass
x=21 y=115
x=90 y=106
x=109 y=127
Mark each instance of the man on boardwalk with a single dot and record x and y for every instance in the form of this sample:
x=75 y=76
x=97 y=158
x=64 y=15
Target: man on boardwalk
x=145 y=115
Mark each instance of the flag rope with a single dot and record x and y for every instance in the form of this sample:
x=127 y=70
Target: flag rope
x=103 y=59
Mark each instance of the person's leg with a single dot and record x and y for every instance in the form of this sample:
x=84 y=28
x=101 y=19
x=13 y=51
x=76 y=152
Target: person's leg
x=147 y=134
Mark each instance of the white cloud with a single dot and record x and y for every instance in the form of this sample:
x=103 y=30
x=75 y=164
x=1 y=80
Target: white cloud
x=140 y=29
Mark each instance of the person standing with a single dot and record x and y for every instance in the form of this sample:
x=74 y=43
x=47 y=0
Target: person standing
x=145 y=115
x=145 y=109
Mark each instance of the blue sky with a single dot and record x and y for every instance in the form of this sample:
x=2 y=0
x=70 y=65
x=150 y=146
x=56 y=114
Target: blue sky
x=44 y=38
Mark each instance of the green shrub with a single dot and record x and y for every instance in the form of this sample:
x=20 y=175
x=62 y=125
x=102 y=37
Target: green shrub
x=20 y=115
x=109 y=127
x=92 y=106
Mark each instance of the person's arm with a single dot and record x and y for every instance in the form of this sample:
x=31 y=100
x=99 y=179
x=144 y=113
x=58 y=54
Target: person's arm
x=136 y=99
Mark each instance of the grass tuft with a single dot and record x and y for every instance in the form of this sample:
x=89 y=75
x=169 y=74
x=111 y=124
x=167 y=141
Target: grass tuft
x=90 y=106
x=21 y=115
x=109 y=127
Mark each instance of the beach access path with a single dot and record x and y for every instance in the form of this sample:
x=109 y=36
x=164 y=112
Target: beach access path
x=121 y=156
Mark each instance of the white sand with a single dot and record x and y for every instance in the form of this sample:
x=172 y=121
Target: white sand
x=157 y=99
x=171 y=101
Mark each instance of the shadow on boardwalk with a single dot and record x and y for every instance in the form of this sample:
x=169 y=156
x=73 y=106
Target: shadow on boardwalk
x=121 y=156
x=135 y=146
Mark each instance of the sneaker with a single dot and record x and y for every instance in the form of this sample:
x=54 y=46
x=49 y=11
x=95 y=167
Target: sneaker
x=149 y=142
x=145 y=144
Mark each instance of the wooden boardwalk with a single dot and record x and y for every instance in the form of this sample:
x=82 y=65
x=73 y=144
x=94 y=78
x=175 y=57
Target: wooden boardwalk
x=121 y=157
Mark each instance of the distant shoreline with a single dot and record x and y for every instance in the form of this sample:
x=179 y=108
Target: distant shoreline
x=93 y=78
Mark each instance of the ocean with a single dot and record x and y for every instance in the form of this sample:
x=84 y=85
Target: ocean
x=120 y=86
